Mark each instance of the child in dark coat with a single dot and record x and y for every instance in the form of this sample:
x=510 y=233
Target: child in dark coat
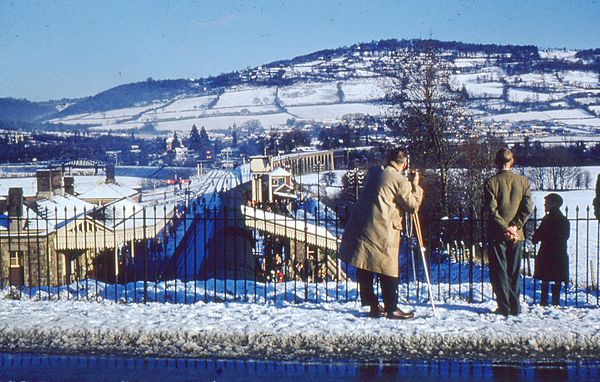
x=552 y=261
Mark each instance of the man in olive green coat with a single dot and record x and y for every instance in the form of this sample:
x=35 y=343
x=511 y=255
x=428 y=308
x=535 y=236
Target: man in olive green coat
x=507 y=199
x=371 y=239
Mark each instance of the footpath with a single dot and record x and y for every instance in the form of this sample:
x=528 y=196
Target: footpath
x=325 y=331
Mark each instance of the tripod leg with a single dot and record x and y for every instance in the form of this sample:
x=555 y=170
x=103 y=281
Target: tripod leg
x=428 y=283
x=409 y=245
x=417 y=224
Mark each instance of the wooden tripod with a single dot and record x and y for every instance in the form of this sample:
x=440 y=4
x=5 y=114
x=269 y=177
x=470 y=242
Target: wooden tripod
x=417 y=227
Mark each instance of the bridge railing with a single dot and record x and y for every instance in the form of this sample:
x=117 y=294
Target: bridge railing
x=258 y=254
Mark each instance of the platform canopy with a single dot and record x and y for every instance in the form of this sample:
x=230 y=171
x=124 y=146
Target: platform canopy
x=293 y=229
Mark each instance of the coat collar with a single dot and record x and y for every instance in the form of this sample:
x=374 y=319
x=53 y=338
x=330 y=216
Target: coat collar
x=396 y=166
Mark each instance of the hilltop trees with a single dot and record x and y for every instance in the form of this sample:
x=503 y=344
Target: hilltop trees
x=427 y=113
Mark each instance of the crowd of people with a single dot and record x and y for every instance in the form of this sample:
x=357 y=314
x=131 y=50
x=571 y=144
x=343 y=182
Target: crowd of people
x=277 y=262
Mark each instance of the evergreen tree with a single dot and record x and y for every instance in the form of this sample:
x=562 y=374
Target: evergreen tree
x=176 y=142
x=204 y=139
x=194 y=142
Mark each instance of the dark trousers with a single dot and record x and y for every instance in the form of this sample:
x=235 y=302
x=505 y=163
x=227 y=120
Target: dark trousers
x=505 y=274
x=389 y=289
x=555 y=293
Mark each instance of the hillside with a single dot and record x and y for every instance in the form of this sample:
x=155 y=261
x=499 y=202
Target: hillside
x=512 y=90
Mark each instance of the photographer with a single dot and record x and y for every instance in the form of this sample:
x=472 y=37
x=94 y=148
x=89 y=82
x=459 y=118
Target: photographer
x=371 y=240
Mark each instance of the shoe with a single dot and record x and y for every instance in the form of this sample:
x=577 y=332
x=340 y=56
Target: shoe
x=377 y=312
x=400 y=315
x=500 y=312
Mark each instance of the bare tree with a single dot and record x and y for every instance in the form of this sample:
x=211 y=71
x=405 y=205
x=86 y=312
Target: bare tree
x=562 y=175
x=537 y=177
x=477 y=158
x=587 y=179
x=427 y=112
x=329 y=178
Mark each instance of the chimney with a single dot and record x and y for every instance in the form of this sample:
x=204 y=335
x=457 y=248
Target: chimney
x=110 y=173
x=69 y=185
x=44 y=184
x=15 y=208
x=56 y=181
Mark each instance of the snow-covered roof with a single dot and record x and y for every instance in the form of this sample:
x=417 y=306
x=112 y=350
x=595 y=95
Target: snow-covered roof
x=51 y=214
x=285 y=191
x=127 y=213
x=280 y=172
x=29 y=219
x=28 y=184
x=289 y=227
x=59 y=210
x=108 y=191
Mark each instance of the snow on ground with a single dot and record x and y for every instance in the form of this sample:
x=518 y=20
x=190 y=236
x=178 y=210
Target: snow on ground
x=272 y=120
x=363 y=89
x=485 y=89
x=470 y=62
x=578 y=78
x=572 y=116
x=310 y=182
x=522 y=95
x=309 y=93
x=106 y=117
x=536 y=80
x=587 y=100
x=280 y=330
x=558 y=54
x=238 y=97
x=334 y=112
x=186 y=104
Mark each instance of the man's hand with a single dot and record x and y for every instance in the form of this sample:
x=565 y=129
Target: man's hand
x=414 y=177
x=511 y=233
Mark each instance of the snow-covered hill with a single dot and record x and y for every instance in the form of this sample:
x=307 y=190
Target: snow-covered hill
x=510 y=89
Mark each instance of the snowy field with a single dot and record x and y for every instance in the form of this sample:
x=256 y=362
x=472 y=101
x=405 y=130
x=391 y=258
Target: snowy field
x=485 y=89
x=570 y=117
x=279 y=330
x=309 y=93
x=521 y=95
x=335 y=112
x=361 y=90
x=238 y=97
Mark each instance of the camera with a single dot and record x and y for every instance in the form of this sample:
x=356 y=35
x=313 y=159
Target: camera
x=411 y=174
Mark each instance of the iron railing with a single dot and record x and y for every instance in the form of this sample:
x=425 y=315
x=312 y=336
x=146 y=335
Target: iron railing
x=239 y=252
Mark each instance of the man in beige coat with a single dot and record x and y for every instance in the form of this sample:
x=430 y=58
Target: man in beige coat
x=507 y=200
x=371 y=239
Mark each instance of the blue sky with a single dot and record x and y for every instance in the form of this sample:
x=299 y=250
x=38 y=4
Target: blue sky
x=56 y=49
